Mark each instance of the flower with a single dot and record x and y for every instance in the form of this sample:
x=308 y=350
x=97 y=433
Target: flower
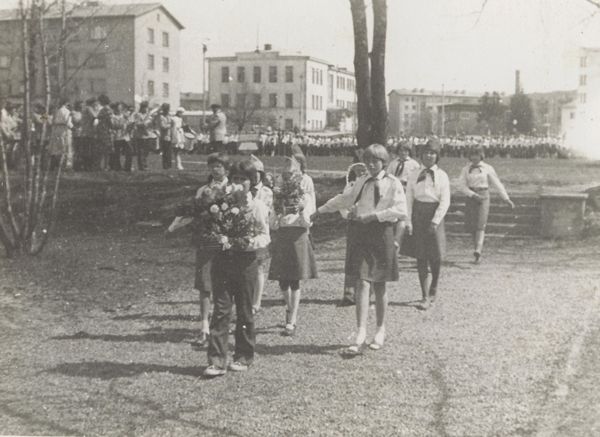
x=224 y=207
x=235 y=210
x=214 y=209
x=223 y=239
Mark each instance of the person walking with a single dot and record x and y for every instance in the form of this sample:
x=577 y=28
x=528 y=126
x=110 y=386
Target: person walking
x=233 y=277
x=474 y=182
x=427 y=201
x=293 y=258
x=375 y=203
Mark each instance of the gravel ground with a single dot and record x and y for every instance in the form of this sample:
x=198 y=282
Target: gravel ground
x=95 y=341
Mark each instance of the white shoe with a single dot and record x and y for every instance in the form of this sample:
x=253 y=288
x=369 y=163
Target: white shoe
x=212 y=371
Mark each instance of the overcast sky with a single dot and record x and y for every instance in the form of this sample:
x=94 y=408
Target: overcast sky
x=429 y=42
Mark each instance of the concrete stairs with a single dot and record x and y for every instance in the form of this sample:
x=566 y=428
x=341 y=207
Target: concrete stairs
x=521 y=222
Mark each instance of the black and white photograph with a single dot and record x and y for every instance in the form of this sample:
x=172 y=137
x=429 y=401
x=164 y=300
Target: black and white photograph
x=300 y=218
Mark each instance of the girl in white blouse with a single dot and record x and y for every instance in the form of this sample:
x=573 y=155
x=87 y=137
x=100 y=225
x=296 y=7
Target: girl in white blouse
x=375 y=203
x=474 y=181
x=427 y=201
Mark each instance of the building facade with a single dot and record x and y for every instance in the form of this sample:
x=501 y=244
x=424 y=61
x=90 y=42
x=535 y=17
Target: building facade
x=415 y=112
x=267 y=88
x=129 y=52
x=581 y=116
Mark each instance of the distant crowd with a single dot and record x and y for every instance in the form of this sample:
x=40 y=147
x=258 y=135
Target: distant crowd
x=100 y=135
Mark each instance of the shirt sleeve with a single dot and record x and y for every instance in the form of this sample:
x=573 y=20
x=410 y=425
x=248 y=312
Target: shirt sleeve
x=345 y=200
x=397 y=210
x=442 y=208
x=262 y=238
x=463 y=184
x=410 y=198
x=494 y=180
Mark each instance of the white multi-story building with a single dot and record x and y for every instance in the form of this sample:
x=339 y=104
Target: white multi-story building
x=282 y=91
x=580 y=119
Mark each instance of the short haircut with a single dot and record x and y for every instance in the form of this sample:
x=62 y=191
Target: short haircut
x=376 y=151
x=220 y=158
x=245 y=169
x=103 y=99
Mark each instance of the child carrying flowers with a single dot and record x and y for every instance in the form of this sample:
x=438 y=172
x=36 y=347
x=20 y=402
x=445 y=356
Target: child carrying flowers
x=293 y=257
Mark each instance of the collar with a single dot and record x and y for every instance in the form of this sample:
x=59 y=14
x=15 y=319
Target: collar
x=379 y=176
x=433 y=168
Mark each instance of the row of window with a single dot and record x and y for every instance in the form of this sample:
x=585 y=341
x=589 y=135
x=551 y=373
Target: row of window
x=165 y=37
x=317 y=76
x=255 y=100
x=257 y=74
x=583 y=61
x=165 y=63
x=317 y=102
x=345 y=104
x=582 y=98
x=315 y=124
x=583 y=80
x=344 y=83
x=152 y=91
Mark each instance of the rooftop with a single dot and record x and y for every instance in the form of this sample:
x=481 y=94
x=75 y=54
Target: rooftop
x=424 y=92
x=89 y=9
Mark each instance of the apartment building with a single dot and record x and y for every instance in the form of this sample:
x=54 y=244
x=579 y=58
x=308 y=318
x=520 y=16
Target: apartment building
x=283 y=91
x=129 y=52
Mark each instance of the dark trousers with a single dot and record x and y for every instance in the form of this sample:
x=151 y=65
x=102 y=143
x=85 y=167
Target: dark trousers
x=128 y=150
x=114 y=161
x=216 y=146
x=142 y=149
x=233 y=278
x=167 y=153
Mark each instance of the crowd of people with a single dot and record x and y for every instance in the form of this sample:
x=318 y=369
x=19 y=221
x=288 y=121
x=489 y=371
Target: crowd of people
x=394 y=206
x=102 y=135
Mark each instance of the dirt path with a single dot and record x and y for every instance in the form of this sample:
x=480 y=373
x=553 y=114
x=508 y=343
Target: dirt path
x=99 y=346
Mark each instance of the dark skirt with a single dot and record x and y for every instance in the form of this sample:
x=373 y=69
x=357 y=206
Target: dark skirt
x=371 y=253
x=476 y=211
x=427 y=245
x=204 y=265
x=293 y=257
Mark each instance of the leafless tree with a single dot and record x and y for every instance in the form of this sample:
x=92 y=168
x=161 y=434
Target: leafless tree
x=370 y=76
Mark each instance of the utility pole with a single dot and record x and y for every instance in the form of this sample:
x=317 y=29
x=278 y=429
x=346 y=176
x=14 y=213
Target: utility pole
x=204 y=96
x=443 y=132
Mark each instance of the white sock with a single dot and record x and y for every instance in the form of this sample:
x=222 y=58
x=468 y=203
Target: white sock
x=205 y=326
x=361 y=336
x=379 y=335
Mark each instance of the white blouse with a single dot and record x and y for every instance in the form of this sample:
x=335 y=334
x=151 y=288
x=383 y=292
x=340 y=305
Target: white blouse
x=392 y=202
x=308 y=203
x=409 y=166
x=480 y=176
x=429 y=190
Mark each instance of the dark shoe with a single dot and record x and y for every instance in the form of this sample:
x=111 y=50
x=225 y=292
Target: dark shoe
x=201 y=341
x=213 y=371
x=432 y=294
x=345 y=302
x=424 y=305
x=238 y=366
x=477 y=257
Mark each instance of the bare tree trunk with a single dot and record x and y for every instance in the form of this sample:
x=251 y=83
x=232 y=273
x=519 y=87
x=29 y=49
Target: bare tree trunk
x=62 y=55
x=361 y=71
x=379 y=120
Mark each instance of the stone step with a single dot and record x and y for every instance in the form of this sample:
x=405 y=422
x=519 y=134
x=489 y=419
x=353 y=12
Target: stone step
x=529 y=219
x=501 y=209
x=514 y=229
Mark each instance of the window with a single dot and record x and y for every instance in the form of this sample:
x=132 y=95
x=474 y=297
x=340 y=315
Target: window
x=289 y=124
x=165 y=90
x=320 y=77
x=582 y=98
x=272 y=74
x=583 y=62
x=273 y=100
x=224 y=74
x=256 y=75
x=240 y=100
x=289 y=101
x=165 y=39
x=582 y=80
x=150 y=87
x=97 y=33
x=256 y=100
x=572 y=114
x=289 y=73
x=330 y=88
x=98 y=86
x=4 y=61
x=241 y=74
x=150 y=62
x=157 y=17
x=96 y=60
x=150 y=36
x=165 y=65
x=225 y=100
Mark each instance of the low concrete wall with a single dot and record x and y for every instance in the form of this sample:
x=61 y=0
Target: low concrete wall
x=562 y=215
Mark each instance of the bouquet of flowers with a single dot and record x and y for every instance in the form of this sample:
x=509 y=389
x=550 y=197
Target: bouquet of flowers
x=288 y=196
x=223 y=220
